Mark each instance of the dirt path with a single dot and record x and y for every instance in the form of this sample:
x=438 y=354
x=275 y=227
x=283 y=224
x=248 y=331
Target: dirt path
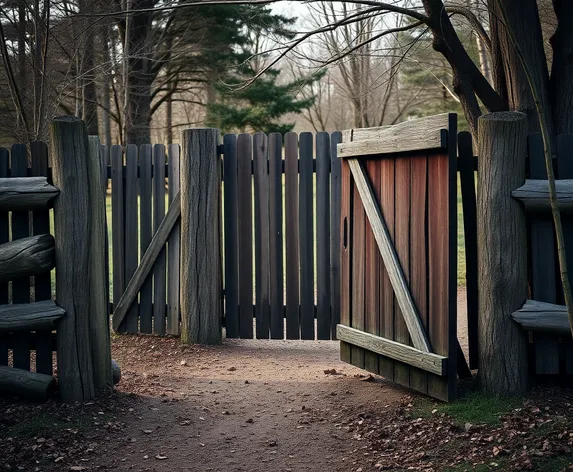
x=242 y=406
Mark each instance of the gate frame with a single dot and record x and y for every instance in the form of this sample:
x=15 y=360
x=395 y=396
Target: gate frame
x=431 y=134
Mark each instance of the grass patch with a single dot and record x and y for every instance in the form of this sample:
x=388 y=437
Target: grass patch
x=475 y=408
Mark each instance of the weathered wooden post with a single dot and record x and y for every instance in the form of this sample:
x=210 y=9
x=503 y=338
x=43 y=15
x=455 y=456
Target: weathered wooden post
x=502 y=252
x=79 y=269
x=201 y=280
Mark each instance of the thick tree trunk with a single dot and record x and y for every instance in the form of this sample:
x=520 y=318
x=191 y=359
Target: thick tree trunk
x=502 y=253
x=139 y=74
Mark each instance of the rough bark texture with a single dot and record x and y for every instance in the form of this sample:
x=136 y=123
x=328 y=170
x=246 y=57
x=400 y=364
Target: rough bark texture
x=73 y=226
x=25 y=193
x=502 y=252
x=26 y=384
x=201 y=287
x=27 y=256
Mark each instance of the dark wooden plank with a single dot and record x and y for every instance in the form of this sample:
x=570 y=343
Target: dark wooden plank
x=346 y=212
x=42 y=282
x=230 y=217
x=4 y=237
x=438 y=266
x=21 y=285
x=117 y=224
x=543 y=271
x=387 y=300
x=131 y=321
x=245 y=228
x=418 y=254
x=159 y=269
x=173 y=245
x=276 y=235
x=335 y=204
x=565 y=171
x=291 y=236
x=262 y=242
x=467 y=183
x=306 y=236
x=105 y=162
x=145 y=234
x=372 y=267
x=323 y=325
x=402 y=246
x=357 y=274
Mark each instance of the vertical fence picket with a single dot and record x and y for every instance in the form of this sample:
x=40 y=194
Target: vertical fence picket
x=306 y=232
x=335 y=206
x=276 y=235
x=173 y=245
x=145 y=232
x=4 y=237
x=244 y=147
x=565 y=171
x=231 y=238
x=262 y=243
x=131 y=233
x=105 y=162
x=21 y=285
x=118 y=227
x=42 y=282
x=323 y=326
x=544 y=281
x=292 y=242
x=159 y=269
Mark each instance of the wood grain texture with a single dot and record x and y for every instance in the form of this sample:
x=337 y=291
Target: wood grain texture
x=323 y=276
x=413 y=135
x=565 y=171
x=262 y=238
x=387 y=298
x=335 y=231
x=71 y=174
x=245 y=228
x=544 y=317
x=534 y=194
x=391 y=261
x=542 y=250
x=117 y=222
x=100 y=342
x=402 y=247
x=276 y=236
x=201 y=282
x=357 y=270
x=346 y=213
x=21 y=285
x=230 y=197
x=418 y=252
x=429 y=362
x=306 y=236
x=4 y=237
x=468 y=190
x=30 y=316
x=173 y=245
x=502 y=252
x=160 y=267
x=131 y=320
x=155 y=248
x=31 y=385
x=372 y=268
x=145 y=234
x=291 y=236
x=42 y=282
x=26 y=193
x=25 y=257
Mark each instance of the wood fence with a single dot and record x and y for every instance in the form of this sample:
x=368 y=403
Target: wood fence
x=280 y=207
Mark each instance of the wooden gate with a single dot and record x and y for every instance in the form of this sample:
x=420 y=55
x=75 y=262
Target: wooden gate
x=399 y=253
